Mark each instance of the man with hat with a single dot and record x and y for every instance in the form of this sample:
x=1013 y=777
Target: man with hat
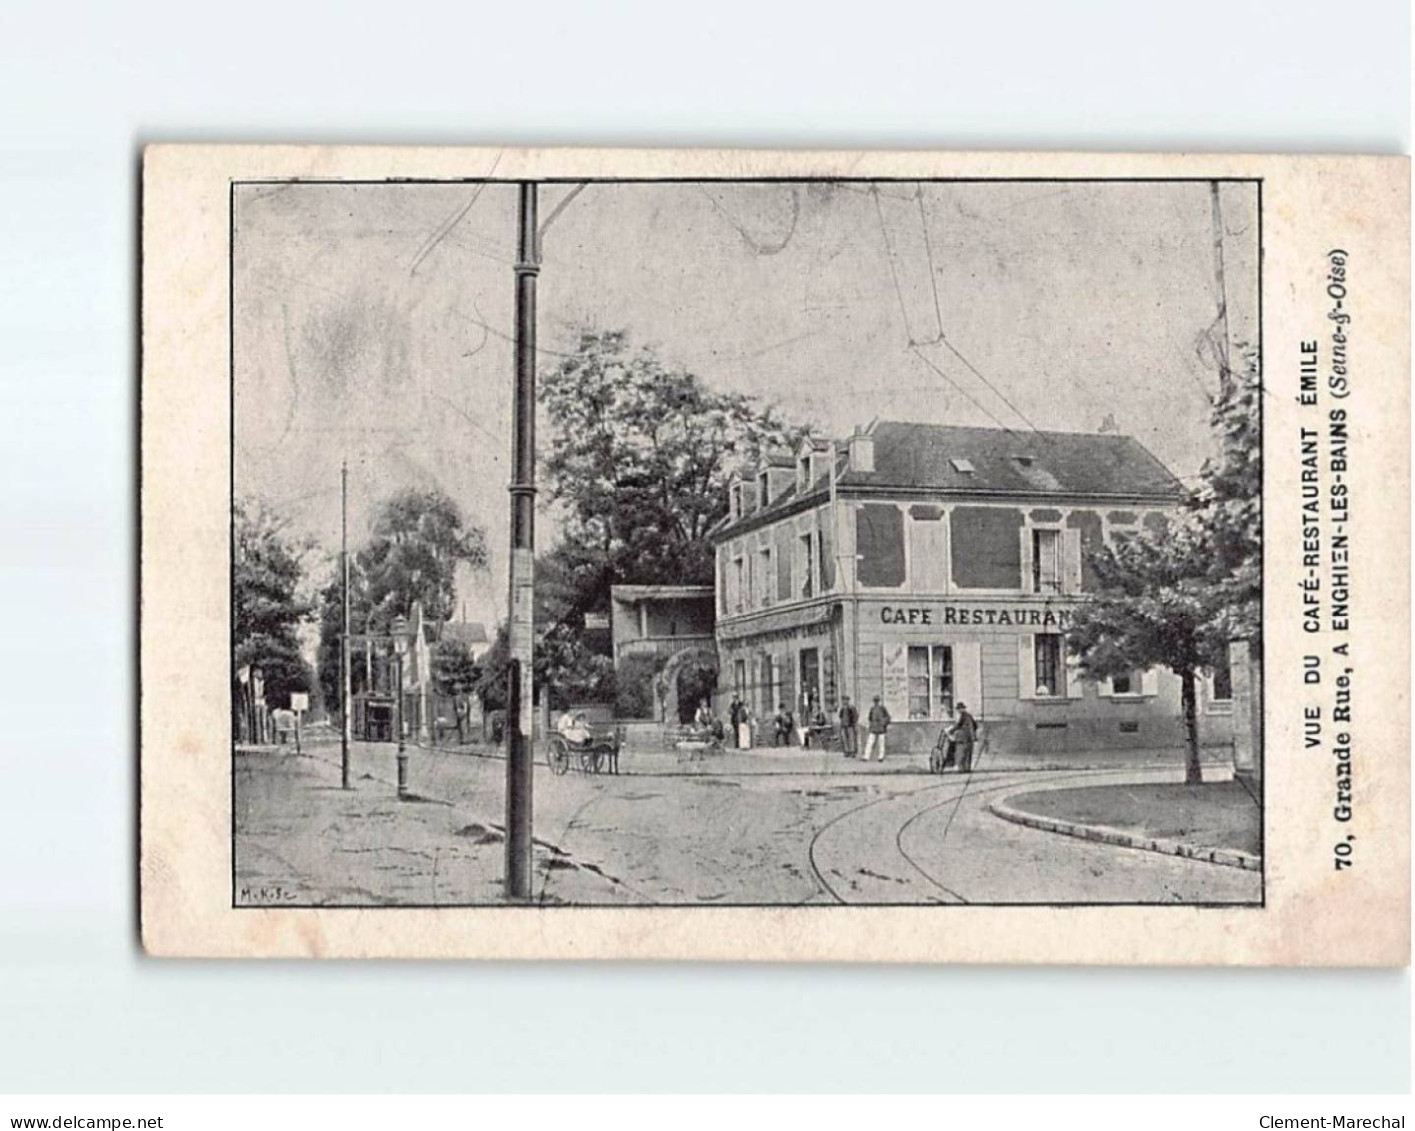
x=964 y=732
x=879 y=727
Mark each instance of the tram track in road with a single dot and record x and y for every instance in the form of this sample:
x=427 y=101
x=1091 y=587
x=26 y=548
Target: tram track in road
x=1016 y=780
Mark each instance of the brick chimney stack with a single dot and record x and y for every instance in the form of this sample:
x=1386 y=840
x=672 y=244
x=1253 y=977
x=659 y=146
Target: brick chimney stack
x=862 y=450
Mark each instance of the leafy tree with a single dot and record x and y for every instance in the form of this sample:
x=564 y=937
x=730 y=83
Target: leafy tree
x=1175 y=598
x=1150 y=610
x=1228 y=506
x=563 y=665
x=418 y=541
x=331 y=625
x=640 y=461
x=268 y=607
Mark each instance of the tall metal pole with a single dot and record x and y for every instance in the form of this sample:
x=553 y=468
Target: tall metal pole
x=1216 y=214
x=346 y=722
x=520 y=699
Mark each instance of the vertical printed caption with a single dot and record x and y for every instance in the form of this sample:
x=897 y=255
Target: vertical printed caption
x=1325 y=382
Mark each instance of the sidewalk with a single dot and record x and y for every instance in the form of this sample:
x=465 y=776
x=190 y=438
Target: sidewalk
x=1217 y=822
x=301 y=840
x=793 y=760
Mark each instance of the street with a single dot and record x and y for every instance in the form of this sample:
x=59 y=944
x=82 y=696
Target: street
x=671 y=833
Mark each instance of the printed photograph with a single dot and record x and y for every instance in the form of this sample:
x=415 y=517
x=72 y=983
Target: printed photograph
x=746 y=543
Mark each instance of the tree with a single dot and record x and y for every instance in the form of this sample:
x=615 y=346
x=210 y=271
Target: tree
x=268 y=608
x=562 y=665
x=1150 y=610
x=331 y=627
x=641 y=457
x=1176 y=598
x=418 y=541
x=1229 y=507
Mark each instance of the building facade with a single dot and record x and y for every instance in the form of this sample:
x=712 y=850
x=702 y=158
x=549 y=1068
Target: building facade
x=668 y=626
x=934 y=565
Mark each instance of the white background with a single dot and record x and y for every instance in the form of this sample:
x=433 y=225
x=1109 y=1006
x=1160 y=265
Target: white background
x=84 y=86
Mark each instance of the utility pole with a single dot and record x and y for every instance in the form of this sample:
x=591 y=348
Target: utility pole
x=346 y=706
x=1216 y=216
x=520 y=699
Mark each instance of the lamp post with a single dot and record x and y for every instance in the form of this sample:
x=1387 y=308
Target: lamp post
x=400 y=648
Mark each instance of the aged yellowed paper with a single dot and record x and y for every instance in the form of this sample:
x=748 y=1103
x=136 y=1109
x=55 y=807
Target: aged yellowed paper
x=775 y=556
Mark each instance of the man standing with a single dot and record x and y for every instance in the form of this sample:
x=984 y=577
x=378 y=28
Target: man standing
x=879 y=727
x=734 y=716
x=964 y=732
x=849 y=727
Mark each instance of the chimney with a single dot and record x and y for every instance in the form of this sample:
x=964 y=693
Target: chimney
x=862 y=450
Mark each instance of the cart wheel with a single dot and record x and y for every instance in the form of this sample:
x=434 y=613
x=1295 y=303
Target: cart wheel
x=935 y=761
x=558 y=757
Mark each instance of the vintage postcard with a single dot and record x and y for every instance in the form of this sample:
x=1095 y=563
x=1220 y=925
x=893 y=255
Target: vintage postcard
x=859 y=556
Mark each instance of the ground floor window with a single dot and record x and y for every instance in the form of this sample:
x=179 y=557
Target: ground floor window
x=1223 y=680
x=930 y=675
x=1127 y=683
x=739 y=678
x=1048 y=664
x=771 y=684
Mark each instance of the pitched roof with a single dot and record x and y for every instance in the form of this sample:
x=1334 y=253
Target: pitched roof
x=1027 y=463
x=468 y=632
x=988 y=461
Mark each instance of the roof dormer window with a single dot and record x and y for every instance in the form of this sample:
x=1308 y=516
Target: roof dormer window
x=763 y=490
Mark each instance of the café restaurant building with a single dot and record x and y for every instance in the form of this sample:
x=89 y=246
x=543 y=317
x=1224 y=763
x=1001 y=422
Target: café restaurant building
x=932 y=565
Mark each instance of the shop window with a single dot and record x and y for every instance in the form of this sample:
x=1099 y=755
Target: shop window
x=1048 y=665
x=830 y=689
x=1046 y=561
x=810 y=676
x=930 y=676
x=771 y=683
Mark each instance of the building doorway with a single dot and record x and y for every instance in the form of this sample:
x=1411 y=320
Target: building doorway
x=697 y=683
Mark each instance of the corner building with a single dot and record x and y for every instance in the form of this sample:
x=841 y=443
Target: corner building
x=932 y=565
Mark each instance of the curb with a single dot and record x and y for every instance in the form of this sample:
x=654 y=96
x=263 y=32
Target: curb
x=1227 y=857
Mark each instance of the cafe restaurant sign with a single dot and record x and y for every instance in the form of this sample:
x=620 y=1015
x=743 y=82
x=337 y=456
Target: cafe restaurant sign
x=1017 y=616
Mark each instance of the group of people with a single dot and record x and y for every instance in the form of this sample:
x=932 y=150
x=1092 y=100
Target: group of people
x=961 y=736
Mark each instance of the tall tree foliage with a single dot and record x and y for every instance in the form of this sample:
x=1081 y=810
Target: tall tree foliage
x=640 y=460
x=1228 y=506
x=419 y=538
x=1176 y=598
x=268 y=606
x=1150 y=610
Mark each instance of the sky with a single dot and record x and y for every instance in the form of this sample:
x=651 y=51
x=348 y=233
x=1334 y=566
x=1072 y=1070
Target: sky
x=374 y=322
